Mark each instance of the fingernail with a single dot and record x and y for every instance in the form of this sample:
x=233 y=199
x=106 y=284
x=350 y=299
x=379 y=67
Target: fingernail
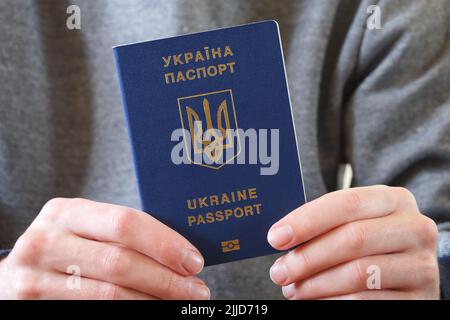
x=199 y=292
x=289 y=291
x=279 y=272
x=192 y=262
x=280 y=236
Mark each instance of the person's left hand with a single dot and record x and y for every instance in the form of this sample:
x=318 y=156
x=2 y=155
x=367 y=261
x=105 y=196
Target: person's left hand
x=347 y=236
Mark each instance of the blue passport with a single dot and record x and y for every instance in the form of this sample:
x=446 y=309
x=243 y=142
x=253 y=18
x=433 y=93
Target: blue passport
x=212 y=135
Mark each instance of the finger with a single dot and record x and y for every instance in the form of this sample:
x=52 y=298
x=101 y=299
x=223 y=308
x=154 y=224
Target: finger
x=349 y=242
x=58 y=286
x=393 y=271
x=123 y=267
x=335 y=209
x=376 y=295
x=129 y=227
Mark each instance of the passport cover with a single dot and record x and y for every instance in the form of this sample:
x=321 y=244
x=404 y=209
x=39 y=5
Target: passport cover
x=222 y=79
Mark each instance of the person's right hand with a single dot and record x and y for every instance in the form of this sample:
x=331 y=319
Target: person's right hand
x=121 y=253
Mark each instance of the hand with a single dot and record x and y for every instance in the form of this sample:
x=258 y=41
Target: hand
x=345 y=232
x=120 y=252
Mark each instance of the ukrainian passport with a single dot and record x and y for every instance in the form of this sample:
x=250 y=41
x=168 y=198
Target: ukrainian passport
x=212 y=136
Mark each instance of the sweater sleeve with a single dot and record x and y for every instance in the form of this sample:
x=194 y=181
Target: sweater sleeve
x=398 y=112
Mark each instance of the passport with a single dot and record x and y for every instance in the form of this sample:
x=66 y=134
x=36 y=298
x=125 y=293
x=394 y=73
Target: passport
x=212 y=136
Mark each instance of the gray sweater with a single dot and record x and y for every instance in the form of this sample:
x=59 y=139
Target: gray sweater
x=378 y=99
